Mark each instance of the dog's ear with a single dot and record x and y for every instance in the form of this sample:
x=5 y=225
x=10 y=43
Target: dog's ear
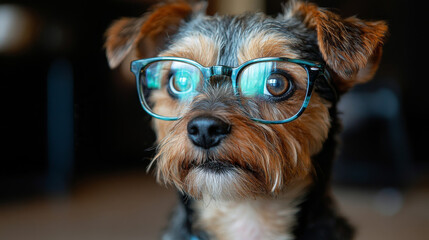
x=147 y=34
x=351 y=47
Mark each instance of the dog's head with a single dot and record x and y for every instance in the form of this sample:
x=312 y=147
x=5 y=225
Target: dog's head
x=222 y=143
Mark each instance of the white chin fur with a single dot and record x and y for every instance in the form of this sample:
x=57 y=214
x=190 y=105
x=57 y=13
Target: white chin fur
x=209 y=185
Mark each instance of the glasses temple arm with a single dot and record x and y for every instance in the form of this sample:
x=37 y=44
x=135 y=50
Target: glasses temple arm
x=328 y=80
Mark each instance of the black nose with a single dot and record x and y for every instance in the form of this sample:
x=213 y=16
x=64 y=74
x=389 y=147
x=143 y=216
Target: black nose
x=207 y=131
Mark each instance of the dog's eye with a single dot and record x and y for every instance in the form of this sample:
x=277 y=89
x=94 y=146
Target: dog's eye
x=277 y=84
x=268 y=81
x=180 y=84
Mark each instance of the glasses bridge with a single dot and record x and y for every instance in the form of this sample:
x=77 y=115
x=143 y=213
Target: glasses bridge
x=220 y=70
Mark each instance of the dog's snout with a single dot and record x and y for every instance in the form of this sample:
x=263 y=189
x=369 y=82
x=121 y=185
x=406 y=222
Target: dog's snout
x=207 y=131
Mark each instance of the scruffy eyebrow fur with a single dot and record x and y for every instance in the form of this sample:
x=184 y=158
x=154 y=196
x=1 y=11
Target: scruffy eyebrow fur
x=230 y=34
x=197 y=47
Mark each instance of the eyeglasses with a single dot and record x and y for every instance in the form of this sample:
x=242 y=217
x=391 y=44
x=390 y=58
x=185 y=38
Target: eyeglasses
x=270 y=90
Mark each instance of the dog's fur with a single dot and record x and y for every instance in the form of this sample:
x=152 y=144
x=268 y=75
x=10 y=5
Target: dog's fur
x=279 y=188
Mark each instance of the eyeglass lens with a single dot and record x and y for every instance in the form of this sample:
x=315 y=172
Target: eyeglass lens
x=267 y=90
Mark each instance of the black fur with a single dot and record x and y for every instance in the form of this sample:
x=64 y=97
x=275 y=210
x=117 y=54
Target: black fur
x=318 y=217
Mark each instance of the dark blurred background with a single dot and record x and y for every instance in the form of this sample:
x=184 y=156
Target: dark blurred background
x=69 y=122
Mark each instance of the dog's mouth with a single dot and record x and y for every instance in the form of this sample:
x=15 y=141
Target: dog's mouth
x=220 y=166
x=217 y=166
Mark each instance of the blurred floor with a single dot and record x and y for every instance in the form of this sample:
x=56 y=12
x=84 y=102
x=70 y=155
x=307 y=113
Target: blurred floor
x=120 y=206
x=131 y=206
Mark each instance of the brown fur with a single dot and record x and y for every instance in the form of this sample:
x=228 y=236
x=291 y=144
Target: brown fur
x=145 y=34
x=351 y=47
x=265 y=44
x=199 y=48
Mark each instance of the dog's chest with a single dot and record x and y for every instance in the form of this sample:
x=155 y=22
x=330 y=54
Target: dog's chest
x=248 y=219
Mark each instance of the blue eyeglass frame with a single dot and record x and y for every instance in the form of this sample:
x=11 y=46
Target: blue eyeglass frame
x=314 y=71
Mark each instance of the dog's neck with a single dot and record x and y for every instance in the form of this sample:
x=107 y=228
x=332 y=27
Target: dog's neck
x=264 y=218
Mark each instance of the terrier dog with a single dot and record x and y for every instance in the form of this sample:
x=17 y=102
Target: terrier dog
x=228 y=95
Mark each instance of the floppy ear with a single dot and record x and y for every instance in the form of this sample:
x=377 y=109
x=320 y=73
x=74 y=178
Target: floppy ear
x=148 y=33
x=351 y=47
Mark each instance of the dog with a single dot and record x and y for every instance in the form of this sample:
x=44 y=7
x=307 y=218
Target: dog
x=245 y=113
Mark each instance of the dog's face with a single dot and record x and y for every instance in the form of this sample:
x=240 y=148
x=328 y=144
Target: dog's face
x=215 y=150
